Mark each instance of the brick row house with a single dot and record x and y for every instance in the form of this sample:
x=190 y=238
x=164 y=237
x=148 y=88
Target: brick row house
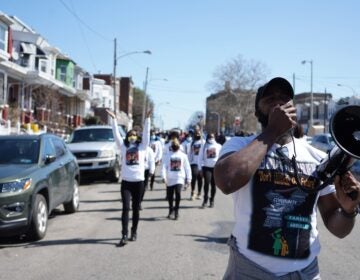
x=42 y=87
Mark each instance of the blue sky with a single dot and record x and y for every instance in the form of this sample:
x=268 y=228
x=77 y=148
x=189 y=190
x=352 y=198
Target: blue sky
x=189 y=39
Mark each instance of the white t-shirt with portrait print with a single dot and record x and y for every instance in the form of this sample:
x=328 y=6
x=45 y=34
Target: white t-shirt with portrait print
x=275 y=221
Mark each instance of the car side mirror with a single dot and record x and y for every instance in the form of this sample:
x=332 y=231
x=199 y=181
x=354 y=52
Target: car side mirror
x=49 y=158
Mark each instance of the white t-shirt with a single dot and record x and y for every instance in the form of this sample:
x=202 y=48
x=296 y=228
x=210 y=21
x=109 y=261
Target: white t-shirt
x=209 y=154
x=133 y=157
x=193 y=151
x=176 y=169
x=157 y=148
x=275 y=221
x=150 y=160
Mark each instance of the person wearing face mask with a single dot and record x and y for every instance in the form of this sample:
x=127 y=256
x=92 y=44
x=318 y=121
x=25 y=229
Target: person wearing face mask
x=209 y=154
x=275 y=234
x=157 y=148
x=176 y=172
x=133 y=153
x=193 y=156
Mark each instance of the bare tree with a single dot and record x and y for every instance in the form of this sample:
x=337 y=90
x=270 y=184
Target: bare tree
x=238 y=74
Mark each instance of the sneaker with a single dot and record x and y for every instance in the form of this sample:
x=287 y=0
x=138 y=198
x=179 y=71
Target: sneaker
x=133 y=237
x=176 y=216
x=171 y=214
x=198 y=196
x=203 y=205
x=211 y=205
x=123 y=241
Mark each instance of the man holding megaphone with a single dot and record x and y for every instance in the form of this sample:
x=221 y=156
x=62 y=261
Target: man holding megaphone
x=277 y=183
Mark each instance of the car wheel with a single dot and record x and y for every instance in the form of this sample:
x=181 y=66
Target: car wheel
x=73 y=205
x=39 y=219
x=114 y=174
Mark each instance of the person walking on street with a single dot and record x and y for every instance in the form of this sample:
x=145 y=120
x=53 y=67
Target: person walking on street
x=272 y=178
x=176 y=172
x=209 y=154
x=193 y=156
x=149 y=171
x=157 y=148
x=132 y=172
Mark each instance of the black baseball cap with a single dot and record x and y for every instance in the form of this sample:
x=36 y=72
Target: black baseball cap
x=275 y=83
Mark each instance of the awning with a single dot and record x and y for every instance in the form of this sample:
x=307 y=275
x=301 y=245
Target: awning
x=28 y=48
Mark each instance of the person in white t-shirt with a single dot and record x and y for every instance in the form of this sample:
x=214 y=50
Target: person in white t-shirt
x=176 y=172
x=209 y=154
x=157 y=148
x=132 y=173
x=193 y=152
x=272 y=178
x=149 y=171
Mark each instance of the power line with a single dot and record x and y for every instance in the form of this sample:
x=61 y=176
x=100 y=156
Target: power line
x=83 y=22
x=86 y=44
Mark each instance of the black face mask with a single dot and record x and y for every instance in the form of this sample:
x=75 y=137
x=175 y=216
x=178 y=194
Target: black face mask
x=197 y=137
x=262 y=118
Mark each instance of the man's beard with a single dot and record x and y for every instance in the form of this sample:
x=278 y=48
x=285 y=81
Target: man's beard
x=263 y=119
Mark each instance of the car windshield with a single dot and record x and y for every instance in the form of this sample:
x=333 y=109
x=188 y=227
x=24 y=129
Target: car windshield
x=19 y=151
x=92 y=135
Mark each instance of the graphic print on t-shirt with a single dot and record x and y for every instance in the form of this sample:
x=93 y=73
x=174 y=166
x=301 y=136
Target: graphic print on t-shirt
x=280 y=220
x=175 y=164
x=132 y=156
x=153 y=147
x=211 y=153
x=196 y=149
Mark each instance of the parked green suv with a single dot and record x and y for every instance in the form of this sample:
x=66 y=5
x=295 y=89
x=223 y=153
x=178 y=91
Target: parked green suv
x=37 y=174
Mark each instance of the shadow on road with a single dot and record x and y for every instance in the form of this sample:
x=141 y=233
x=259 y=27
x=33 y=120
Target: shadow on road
x=17 y=242
x=204 y=238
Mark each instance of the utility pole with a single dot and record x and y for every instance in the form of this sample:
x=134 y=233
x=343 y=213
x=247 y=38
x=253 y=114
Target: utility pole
x=144 y=103
x=114 y=76
x=325 y=112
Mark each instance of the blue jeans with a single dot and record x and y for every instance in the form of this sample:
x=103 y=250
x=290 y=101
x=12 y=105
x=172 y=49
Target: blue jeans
x=240 y=267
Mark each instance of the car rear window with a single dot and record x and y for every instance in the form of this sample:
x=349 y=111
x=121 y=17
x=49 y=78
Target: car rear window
x=92 y=135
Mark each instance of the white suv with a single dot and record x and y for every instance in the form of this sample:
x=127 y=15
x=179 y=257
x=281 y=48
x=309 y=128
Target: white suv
x=96 y=152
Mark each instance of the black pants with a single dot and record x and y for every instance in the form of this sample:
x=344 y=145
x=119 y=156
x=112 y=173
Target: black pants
x=170 y=190
x=146 y=181
x=208 y=173
x=130 y=190
x=195 y=174
x=152 y=178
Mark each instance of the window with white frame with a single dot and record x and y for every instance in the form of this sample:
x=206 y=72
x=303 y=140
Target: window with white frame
x=3 y=32
x=63 y=73
x=43 y=65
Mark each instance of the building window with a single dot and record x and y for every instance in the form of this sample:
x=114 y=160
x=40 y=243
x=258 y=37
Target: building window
x=3 y=32
x=2 y=88
x=43 y=65
x=63 y=73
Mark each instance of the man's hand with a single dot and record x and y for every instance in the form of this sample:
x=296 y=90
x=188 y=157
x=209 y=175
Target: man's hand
x=346 y=184
x=282 y=118
x=111 y=114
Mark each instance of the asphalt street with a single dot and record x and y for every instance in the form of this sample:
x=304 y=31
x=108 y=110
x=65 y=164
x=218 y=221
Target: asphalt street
x=83 y=245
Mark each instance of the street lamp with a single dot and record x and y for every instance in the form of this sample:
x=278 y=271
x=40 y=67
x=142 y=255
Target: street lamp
x=353 y=91
x=311 y=91
x=147 y=81
x=218 y=121
x=116 y=58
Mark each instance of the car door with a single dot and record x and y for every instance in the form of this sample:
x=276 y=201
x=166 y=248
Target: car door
x=68 y=168
x=63 y=162
x=52 y=169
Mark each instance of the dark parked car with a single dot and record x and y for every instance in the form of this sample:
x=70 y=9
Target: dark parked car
x=37 y=174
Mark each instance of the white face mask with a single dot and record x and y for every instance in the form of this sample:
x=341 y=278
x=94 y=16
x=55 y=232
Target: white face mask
x=211 y=141
x=189 y=139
